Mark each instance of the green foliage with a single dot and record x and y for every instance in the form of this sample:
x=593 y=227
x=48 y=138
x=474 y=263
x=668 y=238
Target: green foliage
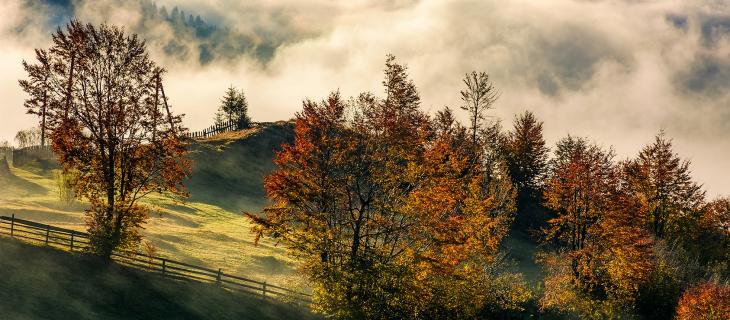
x=65 y=181
x=234 y=108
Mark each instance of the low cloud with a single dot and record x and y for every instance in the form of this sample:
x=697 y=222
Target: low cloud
x=616 y=71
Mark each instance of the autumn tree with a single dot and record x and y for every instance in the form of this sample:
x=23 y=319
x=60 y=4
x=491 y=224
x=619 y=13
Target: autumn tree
x=234 y=108
x=715 y=232
x=110 y=124
x=478 y=97
x=385 y=209
x=600 y=251
x=673 y=199
x=527 y=159
x=706 y=301
x=578 y=191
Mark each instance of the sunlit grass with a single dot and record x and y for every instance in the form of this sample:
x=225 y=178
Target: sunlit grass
x=194 y=230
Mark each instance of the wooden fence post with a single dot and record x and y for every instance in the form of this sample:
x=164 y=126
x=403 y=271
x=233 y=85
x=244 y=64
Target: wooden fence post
x=264 y=288
x=48 y=230
x=164 y=266
x=12 y=225
x=72 y=242
x=218 y=278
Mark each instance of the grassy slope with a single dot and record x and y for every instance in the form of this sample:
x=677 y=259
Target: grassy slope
x=43 y=283
x=206 y=229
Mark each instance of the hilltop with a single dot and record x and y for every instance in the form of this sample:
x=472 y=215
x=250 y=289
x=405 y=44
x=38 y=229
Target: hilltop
x=228 y=169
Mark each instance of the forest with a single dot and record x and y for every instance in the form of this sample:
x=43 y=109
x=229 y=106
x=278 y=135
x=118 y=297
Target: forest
x=393 y=212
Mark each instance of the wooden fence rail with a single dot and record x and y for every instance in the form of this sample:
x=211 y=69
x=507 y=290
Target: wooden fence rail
x=220 y=128
x=213 y=130
x=76 y=241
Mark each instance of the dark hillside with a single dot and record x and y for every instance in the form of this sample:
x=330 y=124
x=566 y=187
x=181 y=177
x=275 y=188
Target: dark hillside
x=228 y=170
x=43 y=283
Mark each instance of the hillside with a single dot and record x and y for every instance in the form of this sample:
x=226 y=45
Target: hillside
x=205 y=229
x=42 y=283
x=229 y=168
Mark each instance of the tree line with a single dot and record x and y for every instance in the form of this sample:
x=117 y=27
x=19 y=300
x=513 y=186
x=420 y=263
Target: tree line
x=399 y=214
x=394 y=213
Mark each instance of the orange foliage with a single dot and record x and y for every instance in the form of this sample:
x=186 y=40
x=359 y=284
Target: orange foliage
x=386 y=207
x=102 y=100
x=596 y=228
x=707 y=301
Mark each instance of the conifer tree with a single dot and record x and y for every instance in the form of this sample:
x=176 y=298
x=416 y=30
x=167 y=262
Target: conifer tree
x=234 y=108
x=673 y=199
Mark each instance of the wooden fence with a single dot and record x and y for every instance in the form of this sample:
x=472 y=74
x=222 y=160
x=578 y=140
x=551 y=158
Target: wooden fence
x=213 y=130
x=76 y=241
x=29 y=154
x=220 y=128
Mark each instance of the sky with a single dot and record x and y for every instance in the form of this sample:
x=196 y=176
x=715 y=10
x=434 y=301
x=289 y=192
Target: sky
x=615 y=71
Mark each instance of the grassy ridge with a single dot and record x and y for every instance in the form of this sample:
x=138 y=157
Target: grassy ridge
x=43 y=283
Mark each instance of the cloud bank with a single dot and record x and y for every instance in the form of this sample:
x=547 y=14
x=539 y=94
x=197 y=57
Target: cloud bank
x=616 y=71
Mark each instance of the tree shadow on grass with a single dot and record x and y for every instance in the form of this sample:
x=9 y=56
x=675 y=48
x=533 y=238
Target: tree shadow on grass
x=43 y=283
x=15 y=186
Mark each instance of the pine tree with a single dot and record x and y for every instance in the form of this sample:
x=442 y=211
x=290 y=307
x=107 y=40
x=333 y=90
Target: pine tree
x=234 y=109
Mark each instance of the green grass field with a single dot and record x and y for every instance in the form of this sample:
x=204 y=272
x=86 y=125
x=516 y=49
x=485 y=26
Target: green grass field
x=206 y=229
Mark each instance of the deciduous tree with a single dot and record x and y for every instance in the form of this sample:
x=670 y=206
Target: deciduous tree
x=384 y=207
x=478 y=97
x=601 y=253
x=527 y=159
x=109 y=123
x=706 y=301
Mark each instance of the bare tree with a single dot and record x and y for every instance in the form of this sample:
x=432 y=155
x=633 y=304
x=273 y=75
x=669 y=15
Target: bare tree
x=478 y=97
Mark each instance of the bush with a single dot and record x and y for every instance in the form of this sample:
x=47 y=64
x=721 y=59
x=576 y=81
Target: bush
x=65 y=182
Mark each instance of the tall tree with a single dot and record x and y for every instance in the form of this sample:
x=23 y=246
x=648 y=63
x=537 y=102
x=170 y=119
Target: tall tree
x=478 y=97
x=673 y=199
x=601 y=249
x=578 y=191
x=384 y=208
x=110 y=124
x=527 y=157
x=234 y=108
